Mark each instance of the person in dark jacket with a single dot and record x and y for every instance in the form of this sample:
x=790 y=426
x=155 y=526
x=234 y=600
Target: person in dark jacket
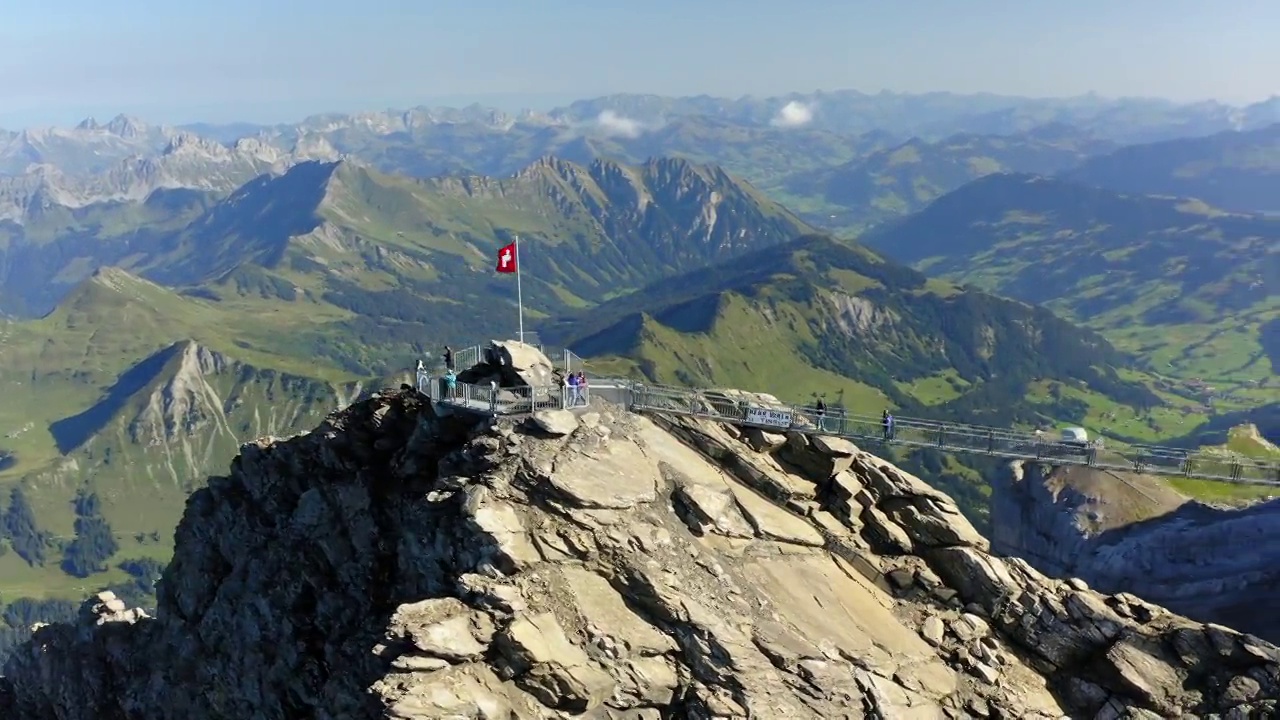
x=448 y=357
x=821 y=411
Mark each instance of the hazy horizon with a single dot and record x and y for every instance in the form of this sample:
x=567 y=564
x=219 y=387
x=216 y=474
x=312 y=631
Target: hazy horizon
x=237 y=61
x=509 y=103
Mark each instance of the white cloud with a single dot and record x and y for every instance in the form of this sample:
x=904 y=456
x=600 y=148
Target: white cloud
x=793 y=114
x=614 y=124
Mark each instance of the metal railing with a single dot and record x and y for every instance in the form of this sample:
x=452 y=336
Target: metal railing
x=952 y=437
x=502 y=400
x=472 y=355
x=741 y=409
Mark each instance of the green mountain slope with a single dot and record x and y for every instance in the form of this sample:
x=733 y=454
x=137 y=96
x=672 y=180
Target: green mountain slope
x=403 y=257
x=131 y=394
x=389 y=262
x=820 y=318
x=899 y=180
x=1233 y=170
x=260 y=313
x=1195 y=291
x=57 y=247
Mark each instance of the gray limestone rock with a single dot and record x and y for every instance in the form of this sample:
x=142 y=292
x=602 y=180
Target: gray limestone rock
x=555 y=422
x=1122 y=532
x=396 y=563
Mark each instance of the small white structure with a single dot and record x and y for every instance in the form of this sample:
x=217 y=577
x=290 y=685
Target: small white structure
x=1075 y=436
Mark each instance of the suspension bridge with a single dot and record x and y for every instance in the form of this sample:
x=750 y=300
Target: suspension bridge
x=750 y=410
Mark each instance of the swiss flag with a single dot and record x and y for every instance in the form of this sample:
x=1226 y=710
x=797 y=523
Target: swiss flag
x=507 y=259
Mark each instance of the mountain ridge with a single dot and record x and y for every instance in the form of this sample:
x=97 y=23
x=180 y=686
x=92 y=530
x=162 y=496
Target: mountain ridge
x=1235 y=171
x=851 y=292
x=636 y=222
x=901 y=179
x=294 y=293
x=499 y=596
x=1185 y=286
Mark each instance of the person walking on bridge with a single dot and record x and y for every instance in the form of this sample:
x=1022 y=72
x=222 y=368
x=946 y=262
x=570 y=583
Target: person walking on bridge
x=820 y=409
x=887 y=421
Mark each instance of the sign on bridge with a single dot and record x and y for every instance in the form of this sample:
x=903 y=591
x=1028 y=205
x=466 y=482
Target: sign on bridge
x=772 y=418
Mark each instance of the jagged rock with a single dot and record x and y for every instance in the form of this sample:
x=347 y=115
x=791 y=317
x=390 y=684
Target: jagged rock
x=399 y=563
x=933 y=630
x=1136 y=533
x=762 y=440
x=818 y=456
x=555 y=422
x=443 y=628
x=545 y=663
x=775 y=523
x=713 y=508
x=520 y=364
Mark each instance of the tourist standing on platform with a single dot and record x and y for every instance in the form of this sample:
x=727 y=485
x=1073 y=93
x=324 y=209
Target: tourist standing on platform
x=448 y=358
x=571 y=386
x=821 y=411
x=451 y=383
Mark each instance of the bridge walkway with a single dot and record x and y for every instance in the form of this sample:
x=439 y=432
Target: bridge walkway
x=747 y=410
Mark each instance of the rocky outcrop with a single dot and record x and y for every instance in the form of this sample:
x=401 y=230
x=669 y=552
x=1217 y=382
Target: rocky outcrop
x=401 y=563
x=510 y=363
x=1128 y=532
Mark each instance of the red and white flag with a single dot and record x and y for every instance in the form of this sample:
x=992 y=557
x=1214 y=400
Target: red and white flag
x=507 y=259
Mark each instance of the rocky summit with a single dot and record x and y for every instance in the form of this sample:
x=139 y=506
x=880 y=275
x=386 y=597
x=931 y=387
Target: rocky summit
x=404 y=562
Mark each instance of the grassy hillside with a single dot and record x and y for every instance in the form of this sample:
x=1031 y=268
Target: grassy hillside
x=260 y=313
x=818 y=311
x=1237 y=171
x=399 y=258
x=57 y=247
x=822 y=318
x=1190 y=289
x=117 y=405
x=902 y=179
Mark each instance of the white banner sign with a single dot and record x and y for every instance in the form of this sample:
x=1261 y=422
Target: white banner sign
x=772 y=418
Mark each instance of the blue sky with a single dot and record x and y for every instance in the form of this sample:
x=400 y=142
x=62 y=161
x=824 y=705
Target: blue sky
x=276 y=60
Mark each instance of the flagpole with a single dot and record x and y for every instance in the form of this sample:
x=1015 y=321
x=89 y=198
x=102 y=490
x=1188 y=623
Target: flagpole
x=519 y=290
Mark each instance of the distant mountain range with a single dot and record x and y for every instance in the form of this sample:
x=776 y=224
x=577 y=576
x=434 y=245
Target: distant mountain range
x=1192 y=289
x=167 y=293
x=841 y=159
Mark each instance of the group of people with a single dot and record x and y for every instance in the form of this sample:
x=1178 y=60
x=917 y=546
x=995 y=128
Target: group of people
x=820 y=412
x=576 y=383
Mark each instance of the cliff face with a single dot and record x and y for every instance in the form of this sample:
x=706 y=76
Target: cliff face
x=400 y=562
x=1135 y=534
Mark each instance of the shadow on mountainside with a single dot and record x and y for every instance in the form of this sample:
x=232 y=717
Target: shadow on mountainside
x=69 y=433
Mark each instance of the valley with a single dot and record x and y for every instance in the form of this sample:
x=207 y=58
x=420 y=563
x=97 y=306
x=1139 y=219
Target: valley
x=167 y=294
